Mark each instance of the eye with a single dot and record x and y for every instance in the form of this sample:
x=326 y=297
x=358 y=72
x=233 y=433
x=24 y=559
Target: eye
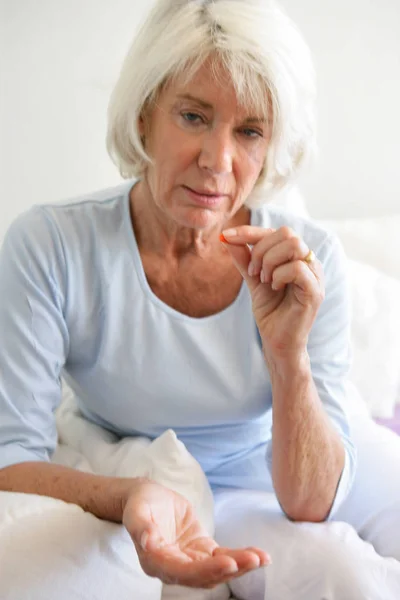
x=192 y=117
x=251 y=133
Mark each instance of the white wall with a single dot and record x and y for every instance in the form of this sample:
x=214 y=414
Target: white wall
x=59 y=60
x=356 y=49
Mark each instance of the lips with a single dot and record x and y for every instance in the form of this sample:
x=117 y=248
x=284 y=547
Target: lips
x=202 y=192
x=205 y=198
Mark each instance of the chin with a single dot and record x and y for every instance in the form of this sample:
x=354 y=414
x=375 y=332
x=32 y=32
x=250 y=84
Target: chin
x=199 y=218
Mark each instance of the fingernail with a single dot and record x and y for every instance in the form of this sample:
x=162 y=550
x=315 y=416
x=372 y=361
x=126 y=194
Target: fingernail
x=262 y=277
x=229 y=233
x=144 y=539
x=267 y=564
x=231 y=569
x=251 y=269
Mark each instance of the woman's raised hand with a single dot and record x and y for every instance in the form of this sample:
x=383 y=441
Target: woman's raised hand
x=286 y=290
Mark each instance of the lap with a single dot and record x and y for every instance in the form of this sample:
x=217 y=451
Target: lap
x=310 y=561
x=59 y=546
x=332 y=559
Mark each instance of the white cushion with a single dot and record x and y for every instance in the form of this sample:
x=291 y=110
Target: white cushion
x=375 y=334
x=375 y=240
x=291 y=200
x=164 y=460
x=53 y=550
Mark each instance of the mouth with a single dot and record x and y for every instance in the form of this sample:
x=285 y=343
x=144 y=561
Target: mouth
x=205 y=197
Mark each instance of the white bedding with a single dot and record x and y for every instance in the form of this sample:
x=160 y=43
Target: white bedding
x=50 y=550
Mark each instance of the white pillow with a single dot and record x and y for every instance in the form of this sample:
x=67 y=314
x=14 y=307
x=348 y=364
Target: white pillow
x=291 y=200
x=51 y=550
x=42 y=538
x=165 y=460
x=375 y=241
x=375 y=335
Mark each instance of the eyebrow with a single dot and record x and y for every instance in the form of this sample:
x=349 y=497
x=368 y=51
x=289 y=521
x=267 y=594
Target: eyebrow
x=207 y=105
x=202 y=103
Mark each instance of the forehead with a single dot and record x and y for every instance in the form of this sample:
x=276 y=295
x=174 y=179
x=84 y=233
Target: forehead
x=213 y=84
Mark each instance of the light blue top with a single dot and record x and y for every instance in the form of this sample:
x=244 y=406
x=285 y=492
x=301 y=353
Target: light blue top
x=75 y=303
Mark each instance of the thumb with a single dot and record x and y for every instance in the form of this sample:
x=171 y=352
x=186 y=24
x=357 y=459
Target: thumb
x=241 y=256
x=145 y=533
x=151 y=539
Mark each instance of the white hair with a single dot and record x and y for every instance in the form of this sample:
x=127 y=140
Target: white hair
x=265 y=56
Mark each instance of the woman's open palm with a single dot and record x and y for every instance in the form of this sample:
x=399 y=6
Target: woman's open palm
x=172 y=544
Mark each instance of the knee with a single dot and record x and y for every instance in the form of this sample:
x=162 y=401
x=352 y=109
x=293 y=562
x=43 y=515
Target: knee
x=309 y=561
x=339 y=564
x=383 y=532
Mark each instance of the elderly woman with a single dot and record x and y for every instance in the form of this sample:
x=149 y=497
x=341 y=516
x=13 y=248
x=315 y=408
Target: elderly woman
x=182 y=300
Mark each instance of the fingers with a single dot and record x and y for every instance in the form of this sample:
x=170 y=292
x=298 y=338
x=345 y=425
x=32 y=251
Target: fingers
x=171 y=565
x=247 y=557
x=247 y=560
x=299 y=274
x=283 y=252
x=177 y=567
x=271 y=250
x=200 y=548
x=238 y=242
x=275 y=249
x=246 y=234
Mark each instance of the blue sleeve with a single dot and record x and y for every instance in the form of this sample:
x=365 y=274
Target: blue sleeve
x=329 y=350
x=34 y=338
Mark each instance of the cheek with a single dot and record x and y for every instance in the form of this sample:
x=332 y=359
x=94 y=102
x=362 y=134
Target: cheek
x=250 y=166
x=173 y=154
x=258 y=155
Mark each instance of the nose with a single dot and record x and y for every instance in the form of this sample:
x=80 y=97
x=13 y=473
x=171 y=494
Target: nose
x=217 y=152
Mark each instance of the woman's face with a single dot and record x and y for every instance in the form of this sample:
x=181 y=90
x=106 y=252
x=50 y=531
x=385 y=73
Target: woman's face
x=208 y=151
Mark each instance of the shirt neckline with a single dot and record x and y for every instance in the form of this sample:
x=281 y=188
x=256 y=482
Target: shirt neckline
x=132 y=243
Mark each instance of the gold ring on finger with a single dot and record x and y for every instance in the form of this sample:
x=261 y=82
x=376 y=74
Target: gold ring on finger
x=310 y=257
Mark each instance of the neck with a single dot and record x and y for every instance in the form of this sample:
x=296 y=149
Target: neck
x=156 y=233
